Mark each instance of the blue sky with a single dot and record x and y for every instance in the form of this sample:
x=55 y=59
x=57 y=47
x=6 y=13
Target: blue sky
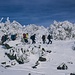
x=39 y=12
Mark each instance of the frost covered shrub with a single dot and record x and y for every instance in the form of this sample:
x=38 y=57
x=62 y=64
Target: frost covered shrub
x=62 y=30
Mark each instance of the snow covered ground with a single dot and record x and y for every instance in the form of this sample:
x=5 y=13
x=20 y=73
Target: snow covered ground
x=61 y=53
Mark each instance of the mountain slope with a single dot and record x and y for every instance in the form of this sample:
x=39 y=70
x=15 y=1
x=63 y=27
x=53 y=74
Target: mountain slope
x=61 y=52
x=24 y=58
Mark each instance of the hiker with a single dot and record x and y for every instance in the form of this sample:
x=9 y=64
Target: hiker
x=43 y=39
x=49 y=37
x=33 y=38
x=4 y=38
x=13 y=37
x=25 y=37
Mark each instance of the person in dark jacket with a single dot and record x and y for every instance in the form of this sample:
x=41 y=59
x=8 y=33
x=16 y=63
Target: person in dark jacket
x=33 y=38
x=49 y=37
x=4 y=38
x=43 y=39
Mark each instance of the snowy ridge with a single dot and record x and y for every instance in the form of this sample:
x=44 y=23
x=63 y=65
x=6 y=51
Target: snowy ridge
x=59 y=30
x=14 y=27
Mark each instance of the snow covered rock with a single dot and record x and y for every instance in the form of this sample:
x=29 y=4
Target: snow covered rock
x=42 y=59
x=62 y=66
x=72 y=73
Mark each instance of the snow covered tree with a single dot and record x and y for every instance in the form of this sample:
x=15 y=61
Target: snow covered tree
x=62 y=30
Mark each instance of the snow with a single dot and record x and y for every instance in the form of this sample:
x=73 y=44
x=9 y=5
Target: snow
x=62 y=50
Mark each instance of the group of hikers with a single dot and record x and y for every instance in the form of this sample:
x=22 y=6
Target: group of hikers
x=32 y=37
x=25 y=38
x=5 y=37
x=49 y=37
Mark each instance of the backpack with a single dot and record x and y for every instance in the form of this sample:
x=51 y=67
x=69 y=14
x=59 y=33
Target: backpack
x=32 y=37
x=24 y=35
x=49 y=37
x=4 y=38
x=13 y=37
x=43 y=37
